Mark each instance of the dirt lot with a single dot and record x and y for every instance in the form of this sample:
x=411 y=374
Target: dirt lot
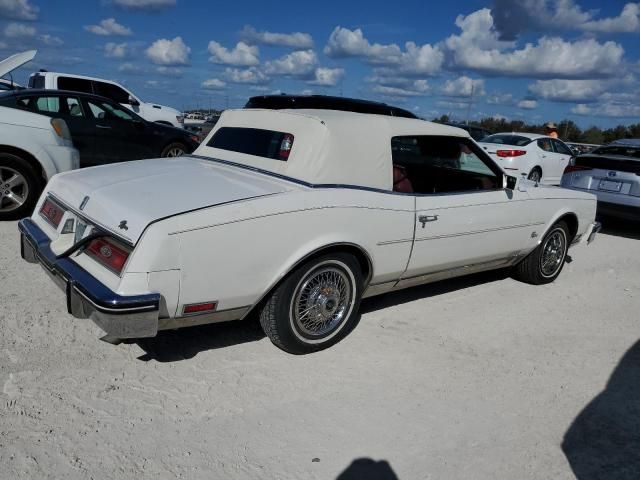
x=481 y=378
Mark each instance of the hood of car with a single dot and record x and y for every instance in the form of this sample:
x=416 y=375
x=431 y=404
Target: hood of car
x=126 y=197
x=13 y=62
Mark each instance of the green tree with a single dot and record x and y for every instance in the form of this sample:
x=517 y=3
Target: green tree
x=592 y=135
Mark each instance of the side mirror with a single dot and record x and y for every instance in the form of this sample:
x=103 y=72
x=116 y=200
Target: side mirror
x=133 y=102
x=511 y=182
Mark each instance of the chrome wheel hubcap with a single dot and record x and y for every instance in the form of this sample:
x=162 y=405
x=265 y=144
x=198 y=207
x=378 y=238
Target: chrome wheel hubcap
x=322 y=301
x=175 y=152
x=14 y=189
x=553 y=253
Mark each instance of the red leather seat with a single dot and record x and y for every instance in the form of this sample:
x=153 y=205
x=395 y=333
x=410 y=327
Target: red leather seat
x=401 y=182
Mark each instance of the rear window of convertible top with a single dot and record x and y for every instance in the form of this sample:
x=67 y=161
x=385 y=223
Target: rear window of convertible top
x=253 y=141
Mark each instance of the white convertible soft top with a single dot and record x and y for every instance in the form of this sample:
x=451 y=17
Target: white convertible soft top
x=330 y=147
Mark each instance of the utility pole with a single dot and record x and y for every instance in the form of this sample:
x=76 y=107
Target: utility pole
x=470 y=102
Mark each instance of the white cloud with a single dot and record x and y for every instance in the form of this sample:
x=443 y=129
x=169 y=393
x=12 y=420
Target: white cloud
x=296 y=40
x=414 y=60
x=299 y=63
x=117 y=50
x=108 y=26
x=169 y=52
x=131 y=69
x=463 y=87
x=452 y=105
x=513 y=17
x=528 y=104
x=477 y=31
x=243 y=55
x=214 y=84
x=259 y=88
x=327 y=77
x=145 y=5
x=569 y=90
x=18 y=10
x=3 y=45
x=417 y=88
x=627 y=22
x=16 y=30
x=252 y=76
x=169 y=71
x=500 y=99
x=51 y=40
x=616 y=110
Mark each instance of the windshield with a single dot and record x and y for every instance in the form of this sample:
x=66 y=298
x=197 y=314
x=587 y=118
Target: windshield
x=618 y=150
x=508 y=139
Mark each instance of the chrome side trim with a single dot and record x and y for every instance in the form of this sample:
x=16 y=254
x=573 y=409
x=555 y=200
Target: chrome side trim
x=476 y=232
x=204 y=319
x=393 y=242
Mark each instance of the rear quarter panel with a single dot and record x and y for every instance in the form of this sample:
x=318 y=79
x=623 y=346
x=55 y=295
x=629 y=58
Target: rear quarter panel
x=235 y=253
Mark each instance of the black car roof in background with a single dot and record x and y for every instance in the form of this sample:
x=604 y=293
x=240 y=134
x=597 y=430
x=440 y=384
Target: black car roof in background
x=326 y=102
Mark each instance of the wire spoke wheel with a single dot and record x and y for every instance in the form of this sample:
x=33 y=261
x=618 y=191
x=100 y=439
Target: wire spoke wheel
x=554 y=250
x=175 y=152
x=14 y=189
x=322 y=301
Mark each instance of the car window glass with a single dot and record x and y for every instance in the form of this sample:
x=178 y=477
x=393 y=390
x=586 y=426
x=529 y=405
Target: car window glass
x=254 y=141
x=112 y=92
x=102 y=110
x=440 y=164
x=545 y=144
x=97 y=111
x=561 y=148
x=507 y=139
x=118 y=112
x=75 y=84
x=73 y=104
x=48 y=104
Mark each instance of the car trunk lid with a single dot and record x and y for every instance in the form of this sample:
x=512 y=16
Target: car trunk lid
x=126 y=197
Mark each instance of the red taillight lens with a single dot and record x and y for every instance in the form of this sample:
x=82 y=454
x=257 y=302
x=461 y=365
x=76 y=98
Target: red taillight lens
x=285 y=146
x=108 y=253
x=52 y=212
x=575 y=168
x=510 y=153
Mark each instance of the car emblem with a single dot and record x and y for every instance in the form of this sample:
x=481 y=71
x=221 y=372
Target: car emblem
x=612 y=174
x=85 y=200
x=106 y=252
x=123 y=225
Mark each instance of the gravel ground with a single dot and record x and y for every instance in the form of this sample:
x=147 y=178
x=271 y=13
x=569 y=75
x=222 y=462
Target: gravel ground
x=482 y=378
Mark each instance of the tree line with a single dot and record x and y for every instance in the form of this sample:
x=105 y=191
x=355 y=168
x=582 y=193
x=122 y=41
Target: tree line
x=567 y=129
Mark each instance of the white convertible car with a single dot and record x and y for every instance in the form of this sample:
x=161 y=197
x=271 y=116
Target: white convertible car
x=294 y=215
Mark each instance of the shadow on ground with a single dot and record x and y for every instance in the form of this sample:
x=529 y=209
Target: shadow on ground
x=368 y=469
x=430 y=290
x=604 y=440
x=620 y=228
x=186 y=343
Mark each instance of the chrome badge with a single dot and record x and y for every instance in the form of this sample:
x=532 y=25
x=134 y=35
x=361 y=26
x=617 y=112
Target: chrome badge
x=612 y=174
x=85 y=200
x=123 y=225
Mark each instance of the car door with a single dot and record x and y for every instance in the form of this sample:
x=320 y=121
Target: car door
x=466 y=220
x=120 y=136
x=563 y=155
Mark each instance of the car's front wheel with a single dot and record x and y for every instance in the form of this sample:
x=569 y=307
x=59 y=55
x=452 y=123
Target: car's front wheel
x=545 y=263
x=535 y=175
x=316 y=305
x=19 y=187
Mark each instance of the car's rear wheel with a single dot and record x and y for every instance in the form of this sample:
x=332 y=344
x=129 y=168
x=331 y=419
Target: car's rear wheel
x=175 y=149
x=315 y=306
x=545 y=263
x=535 y=175
x=19 y=187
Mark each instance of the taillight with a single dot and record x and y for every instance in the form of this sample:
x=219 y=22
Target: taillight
x=52 y=212
x=285 y=146
x=575 y=168
x=109 y=253
x=510 y=153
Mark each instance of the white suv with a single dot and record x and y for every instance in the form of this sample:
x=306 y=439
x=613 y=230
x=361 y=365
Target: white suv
x=33 y=148
x=112 y=90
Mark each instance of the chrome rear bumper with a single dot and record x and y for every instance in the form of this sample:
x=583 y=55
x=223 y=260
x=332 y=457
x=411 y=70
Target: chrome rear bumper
x=119 y=316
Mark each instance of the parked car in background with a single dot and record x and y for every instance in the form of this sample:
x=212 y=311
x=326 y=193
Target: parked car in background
x=102 y=130
x=326 y=102
x=151 y=112
x=538 y=157
x=11 y=63
x=294 y=215
x=33 y=148
x=477 y=133
x=612 y=173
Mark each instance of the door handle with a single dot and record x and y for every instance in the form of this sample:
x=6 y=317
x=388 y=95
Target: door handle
x=423 y=219
x=105 y=127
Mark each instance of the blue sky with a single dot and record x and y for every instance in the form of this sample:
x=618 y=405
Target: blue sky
x=535 y=60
